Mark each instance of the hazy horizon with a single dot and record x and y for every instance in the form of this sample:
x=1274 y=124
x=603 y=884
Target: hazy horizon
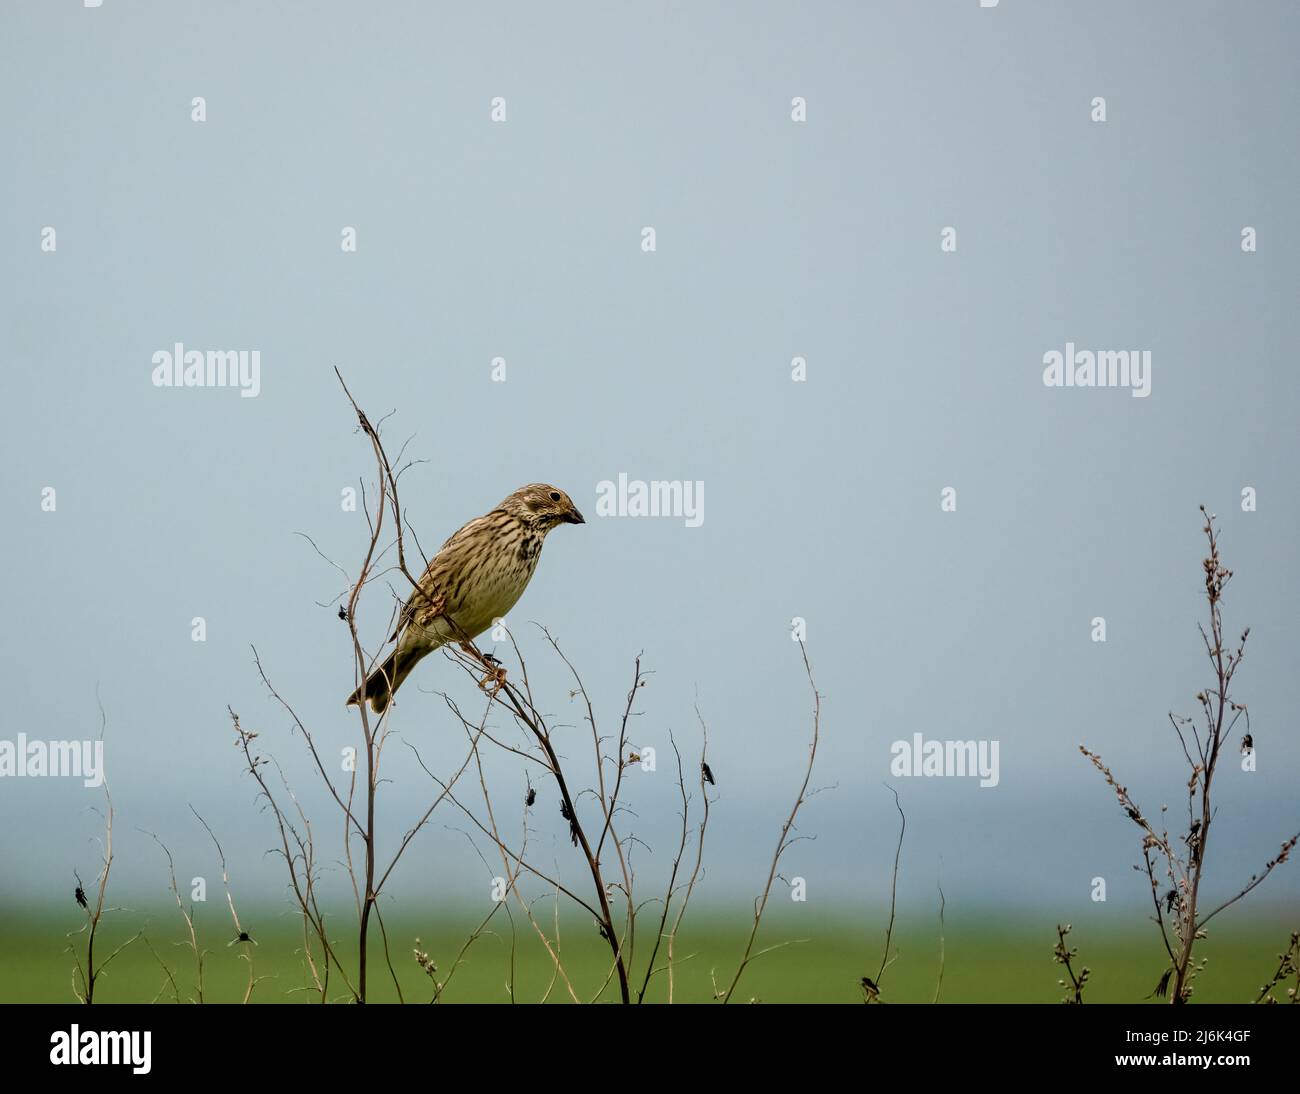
x=776 y=239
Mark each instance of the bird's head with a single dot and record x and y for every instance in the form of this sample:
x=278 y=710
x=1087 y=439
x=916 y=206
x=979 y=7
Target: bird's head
x=542 y=506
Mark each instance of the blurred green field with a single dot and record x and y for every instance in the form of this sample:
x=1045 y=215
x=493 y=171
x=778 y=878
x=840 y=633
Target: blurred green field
x=986 y=961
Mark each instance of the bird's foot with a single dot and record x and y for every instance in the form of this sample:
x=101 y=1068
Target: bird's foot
x=495 y=678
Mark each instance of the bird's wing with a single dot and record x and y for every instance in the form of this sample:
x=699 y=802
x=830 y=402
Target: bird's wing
x=467 y=530
x=438 y=582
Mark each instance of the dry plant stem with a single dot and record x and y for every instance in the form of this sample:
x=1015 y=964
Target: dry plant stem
x=357 y=801
x=677 y=860
x=699 y=856
x=1155 y=899
x=1288 y=966
x=521 y=707
x=519 y=704
x=187 y=915
x=176 y=991
x=89 y=975
x=365 y=887
x=782 y=844
x=512 y=876
x=304 y=887
x=1219 y=717
x=241 y=937
x=424 y=817
x=546 y=995
x=598 y=881
x=367 y=832
x=1063 y=955
x=441 y=987
x=94 y=915
x=1216 y=577
x=609 y=803
x=301 y=859
x=516 y=856
x=306 y=849
x=530 y=717
x=1285 y=853
x=296 y=850
x=893 y=890
x=512 y=872
x=938 y=987
x=388 y=956
x=373 y=736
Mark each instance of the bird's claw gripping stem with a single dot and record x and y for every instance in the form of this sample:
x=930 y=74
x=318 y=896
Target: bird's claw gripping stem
x=496 y=677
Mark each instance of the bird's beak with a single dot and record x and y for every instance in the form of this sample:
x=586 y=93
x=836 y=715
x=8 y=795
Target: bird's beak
x=574 y=517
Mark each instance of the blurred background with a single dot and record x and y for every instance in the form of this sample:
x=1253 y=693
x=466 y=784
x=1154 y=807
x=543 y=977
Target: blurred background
x=775 y=239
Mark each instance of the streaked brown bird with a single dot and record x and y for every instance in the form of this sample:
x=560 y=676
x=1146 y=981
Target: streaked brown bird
x=475 y=578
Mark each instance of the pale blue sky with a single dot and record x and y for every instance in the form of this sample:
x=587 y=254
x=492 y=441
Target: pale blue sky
x=775 y=239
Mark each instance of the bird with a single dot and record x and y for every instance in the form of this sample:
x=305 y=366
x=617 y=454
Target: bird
x=476 y=577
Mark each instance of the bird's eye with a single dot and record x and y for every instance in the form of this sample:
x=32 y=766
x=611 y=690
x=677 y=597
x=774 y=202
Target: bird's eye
x=555 y=496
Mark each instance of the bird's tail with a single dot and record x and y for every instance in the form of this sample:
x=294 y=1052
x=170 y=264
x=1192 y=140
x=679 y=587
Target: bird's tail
x=384 y=681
